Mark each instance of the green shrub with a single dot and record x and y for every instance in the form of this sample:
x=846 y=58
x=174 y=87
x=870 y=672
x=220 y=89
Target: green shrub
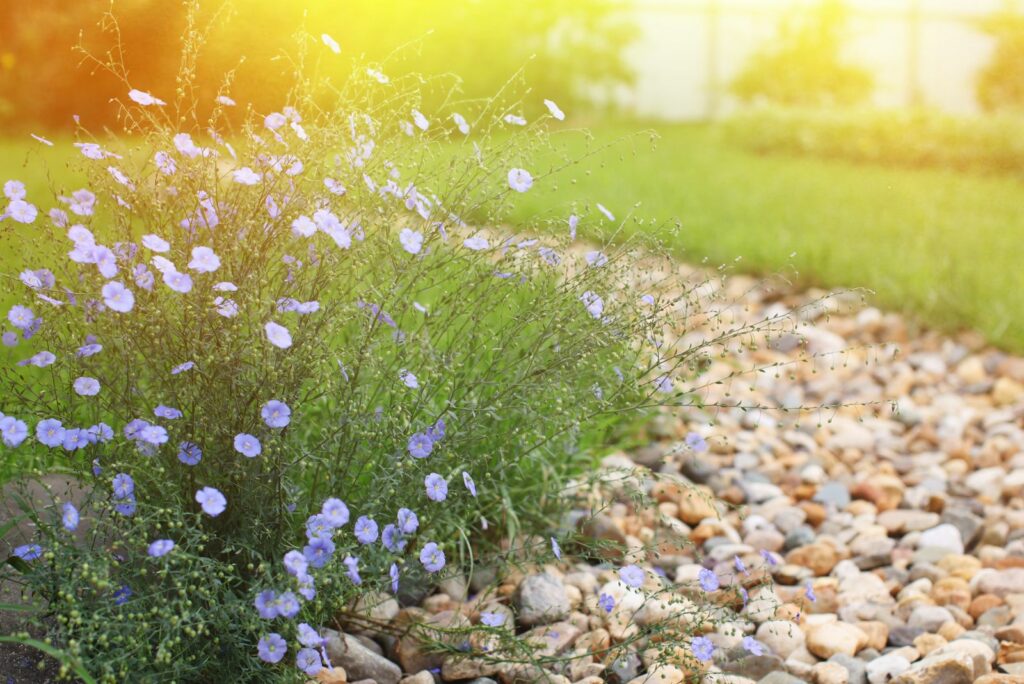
x=1000 y=83
x=803 y=65
x=913 y=138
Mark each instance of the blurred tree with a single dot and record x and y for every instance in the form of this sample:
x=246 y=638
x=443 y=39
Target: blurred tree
x=1000 y=83
x=568 y=49
x=803 y=65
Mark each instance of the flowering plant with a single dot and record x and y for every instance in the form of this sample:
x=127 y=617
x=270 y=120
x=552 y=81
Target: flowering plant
x=281 y=369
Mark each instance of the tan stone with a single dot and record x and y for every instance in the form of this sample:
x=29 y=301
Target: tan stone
x=826 y=640
x=819 y=557
x=877 y=634
x=982 y=603
x=926 y=643
x=950 y=631
x=696 y=504
x=830 y=673
x=335 y=675
x=952 y=591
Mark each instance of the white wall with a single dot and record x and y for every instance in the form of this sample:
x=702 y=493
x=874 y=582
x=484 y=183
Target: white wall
x=689 y=50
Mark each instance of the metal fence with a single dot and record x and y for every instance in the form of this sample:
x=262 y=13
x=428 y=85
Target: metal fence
x=921 y=52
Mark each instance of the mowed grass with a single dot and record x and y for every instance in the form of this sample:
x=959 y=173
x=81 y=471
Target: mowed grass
x=947 y=248
x=942 y=246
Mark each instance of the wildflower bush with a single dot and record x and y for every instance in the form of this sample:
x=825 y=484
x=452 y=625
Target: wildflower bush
x=901 y=138
x=281 y=374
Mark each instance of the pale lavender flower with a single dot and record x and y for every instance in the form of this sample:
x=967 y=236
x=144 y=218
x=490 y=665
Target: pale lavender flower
x=177 y=281
x=87 y=350
x=50 y=432
x=21 y=317
x=308 y=636
x=475 y=243
x=247 y=445
x=593 y=302
x=181 y=368
x=278 y=335
x=490 y=619
x=246 y=176
x=22 y=211
x=168 y=412
x=436 y=486
x=596 y=259
x=13 y=431
x=769 y=556
x=468 y=481
x=144 y=98
x=555 y=111
x=809 y=593
x=69 y=516
x=123 y=486
x=86 y=386
x=189 y=453
x=336 y=512
x=411 y=240
x=708 y=580
x=295 y=563
x=276 y=414
x=308 y=660
x=407 y=521
x=211 y=500
x=352 y=569
x=28 y=552
x=126 y=506
x=266 y=604
x=632 y=576
x=607 y=602
x=331 y=43
x=702 y=648
x=288 y=605
x=318 y=551
x=161 y=547
x=271 y=648
x=696 y=442
x=366 y=530
x=753 y=646
x=556 y=549
x=420 y=445
x=318 y=525
x=153 y=434
x=393 y=573
x=601 y=208
x=204 y=260
x=408 y=379
x=520 y=180
x=740 y=567
x=432 y=557
x=392 y=538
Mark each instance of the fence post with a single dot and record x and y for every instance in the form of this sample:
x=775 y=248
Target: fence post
x=914 y=95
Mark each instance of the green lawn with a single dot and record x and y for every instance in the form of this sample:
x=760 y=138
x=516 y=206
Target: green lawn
x=946 y=247
x=941 y=245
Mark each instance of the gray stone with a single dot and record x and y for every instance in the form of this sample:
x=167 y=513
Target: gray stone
x=855 y=667
x=541 y=599
x=881 y=670
x=801 y=536
x=944 y=536
x=833 y=494
x=359 y=662
x=929 y=618
x=970 y=525
x=780 y=678
x=904 y=635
